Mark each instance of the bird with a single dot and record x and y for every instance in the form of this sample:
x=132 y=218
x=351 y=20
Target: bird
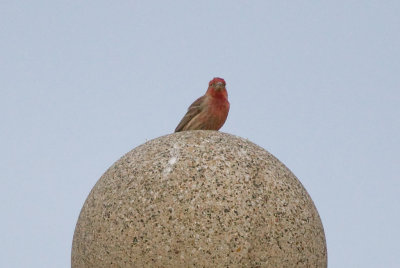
x=209 y=112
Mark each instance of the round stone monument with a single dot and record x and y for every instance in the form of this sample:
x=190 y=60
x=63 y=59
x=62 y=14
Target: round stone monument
x=199 y=199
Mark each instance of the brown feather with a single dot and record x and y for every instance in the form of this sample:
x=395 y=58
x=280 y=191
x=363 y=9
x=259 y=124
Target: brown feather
x=193 y=110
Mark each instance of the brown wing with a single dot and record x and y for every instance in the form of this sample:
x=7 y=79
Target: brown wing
x=193 y=110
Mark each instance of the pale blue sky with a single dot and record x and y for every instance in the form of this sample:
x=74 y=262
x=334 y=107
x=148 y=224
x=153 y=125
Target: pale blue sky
x=316 y=83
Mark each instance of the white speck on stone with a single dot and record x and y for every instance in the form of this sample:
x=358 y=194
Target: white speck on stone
x=174 y=153
x=242 y=152
x=167 y=170
x=172 y=160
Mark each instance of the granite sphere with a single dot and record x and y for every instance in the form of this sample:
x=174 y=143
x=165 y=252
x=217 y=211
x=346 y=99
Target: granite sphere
x=199 y=199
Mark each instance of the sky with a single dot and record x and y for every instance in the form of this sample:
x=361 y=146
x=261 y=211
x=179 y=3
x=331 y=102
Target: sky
x=316 y=83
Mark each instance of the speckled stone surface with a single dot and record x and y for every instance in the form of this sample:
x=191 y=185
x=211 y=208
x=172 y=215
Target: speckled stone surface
x=199 y=199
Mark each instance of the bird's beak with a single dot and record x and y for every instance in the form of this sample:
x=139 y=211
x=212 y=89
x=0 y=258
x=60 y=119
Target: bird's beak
x=219 y=86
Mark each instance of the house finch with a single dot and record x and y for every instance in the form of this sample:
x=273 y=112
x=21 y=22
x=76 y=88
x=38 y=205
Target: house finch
x=208 y=112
